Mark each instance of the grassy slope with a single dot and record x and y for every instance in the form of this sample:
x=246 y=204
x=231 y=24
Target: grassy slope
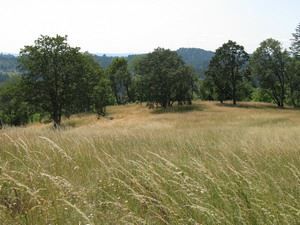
x=211 y=165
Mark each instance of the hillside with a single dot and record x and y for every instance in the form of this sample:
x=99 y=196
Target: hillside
x=195 y=57
x=202 y=164
x=8 y=63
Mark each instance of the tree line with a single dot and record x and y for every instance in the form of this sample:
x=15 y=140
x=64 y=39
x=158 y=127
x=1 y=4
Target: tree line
x=58 y=80
x=270 y=74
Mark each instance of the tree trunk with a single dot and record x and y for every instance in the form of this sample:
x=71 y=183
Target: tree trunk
x=56 y=119
x=293 y=98
x=233 y=94
x=282 y=99
x=233 y=87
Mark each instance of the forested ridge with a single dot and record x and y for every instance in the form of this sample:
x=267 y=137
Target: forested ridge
x=195 y=57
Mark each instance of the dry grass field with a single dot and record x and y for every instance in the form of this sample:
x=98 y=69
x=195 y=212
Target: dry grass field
x=202 y=164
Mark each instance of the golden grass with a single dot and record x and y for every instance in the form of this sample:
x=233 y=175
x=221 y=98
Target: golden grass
x=210 y=164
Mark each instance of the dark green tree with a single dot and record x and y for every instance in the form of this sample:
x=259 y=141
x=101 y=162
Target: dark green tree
x=102 y=96
x=295 y=48
x=293 y=70
x=88 y=77
x=50 y=74
x=293 y=80
x=216 y=82
x=184 y=85
x=3 y=77
x=120 y=79
x=227 y=70
x=138 y=88
x=207 y=89
x=164 y=78
x=269 y=66
x=14 y=109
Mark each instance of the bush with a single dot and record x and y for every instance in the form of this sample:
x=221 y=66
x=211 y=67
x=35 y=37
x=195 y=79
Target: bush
x=260 y=95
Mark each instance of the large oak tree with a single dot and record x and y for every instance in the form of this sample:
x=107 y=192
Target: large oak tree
x=52 y=71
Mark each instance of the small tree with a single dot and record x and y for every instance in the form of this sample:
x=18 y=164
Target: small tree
x=120 y=79
x=268 y=64
x=102 y=96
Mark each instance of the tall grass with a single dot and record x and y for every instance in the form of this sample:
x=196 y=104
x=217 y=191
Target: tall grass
x=212 y=165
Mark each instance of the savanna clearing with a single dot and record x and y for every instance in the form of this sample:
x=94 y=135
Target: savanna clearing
x=200 y=164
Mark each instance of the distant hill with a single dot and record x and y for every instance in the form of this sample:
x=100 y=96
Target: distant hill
x=8 y=66
x=195 y=57
x=105 y=60
x=8 y=63
x=3 y=77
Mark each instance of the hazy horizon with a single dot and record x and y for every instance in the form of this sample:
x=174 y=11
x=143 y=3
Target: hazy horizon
x=138 y=26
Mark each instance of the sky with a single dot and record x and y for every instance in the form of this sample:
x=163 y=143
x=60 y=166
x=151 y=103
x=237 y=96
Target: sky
x=139 y=26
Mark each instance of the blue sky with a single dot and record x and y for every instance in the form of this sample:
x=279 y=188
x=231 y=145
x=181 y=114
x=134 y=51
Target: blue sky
x=136 y=26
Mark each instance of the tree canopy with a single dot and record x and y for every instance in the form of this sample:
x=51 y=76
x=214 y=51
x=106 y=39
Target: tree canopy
x=165 y=78
x=120 y=79
x=227 y=70
x=58 y=78
x=295 y=48
x=268 y=64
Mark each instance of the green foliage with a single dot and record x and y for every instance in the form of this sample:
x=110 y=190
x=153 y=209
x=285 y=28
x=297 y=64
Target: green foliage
x=50 y=71
x=133 y=60
x=60 y=80
x=8 y=63
x=102 y=96
x=293 y=79
x=197 y=58
x=227 y=71
x=295 y=48
x=207 y=89
x=164 y=78
x=14 y=110
x=89 y=74
x=3 y=77
x=137 y=88
x=104 y=61
x=120 y=79
x=268 y=65
x=260 y=95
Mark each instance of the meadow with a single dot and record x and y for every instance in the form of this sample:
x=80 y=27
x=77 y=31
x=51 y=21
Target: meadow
x=201 y=164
